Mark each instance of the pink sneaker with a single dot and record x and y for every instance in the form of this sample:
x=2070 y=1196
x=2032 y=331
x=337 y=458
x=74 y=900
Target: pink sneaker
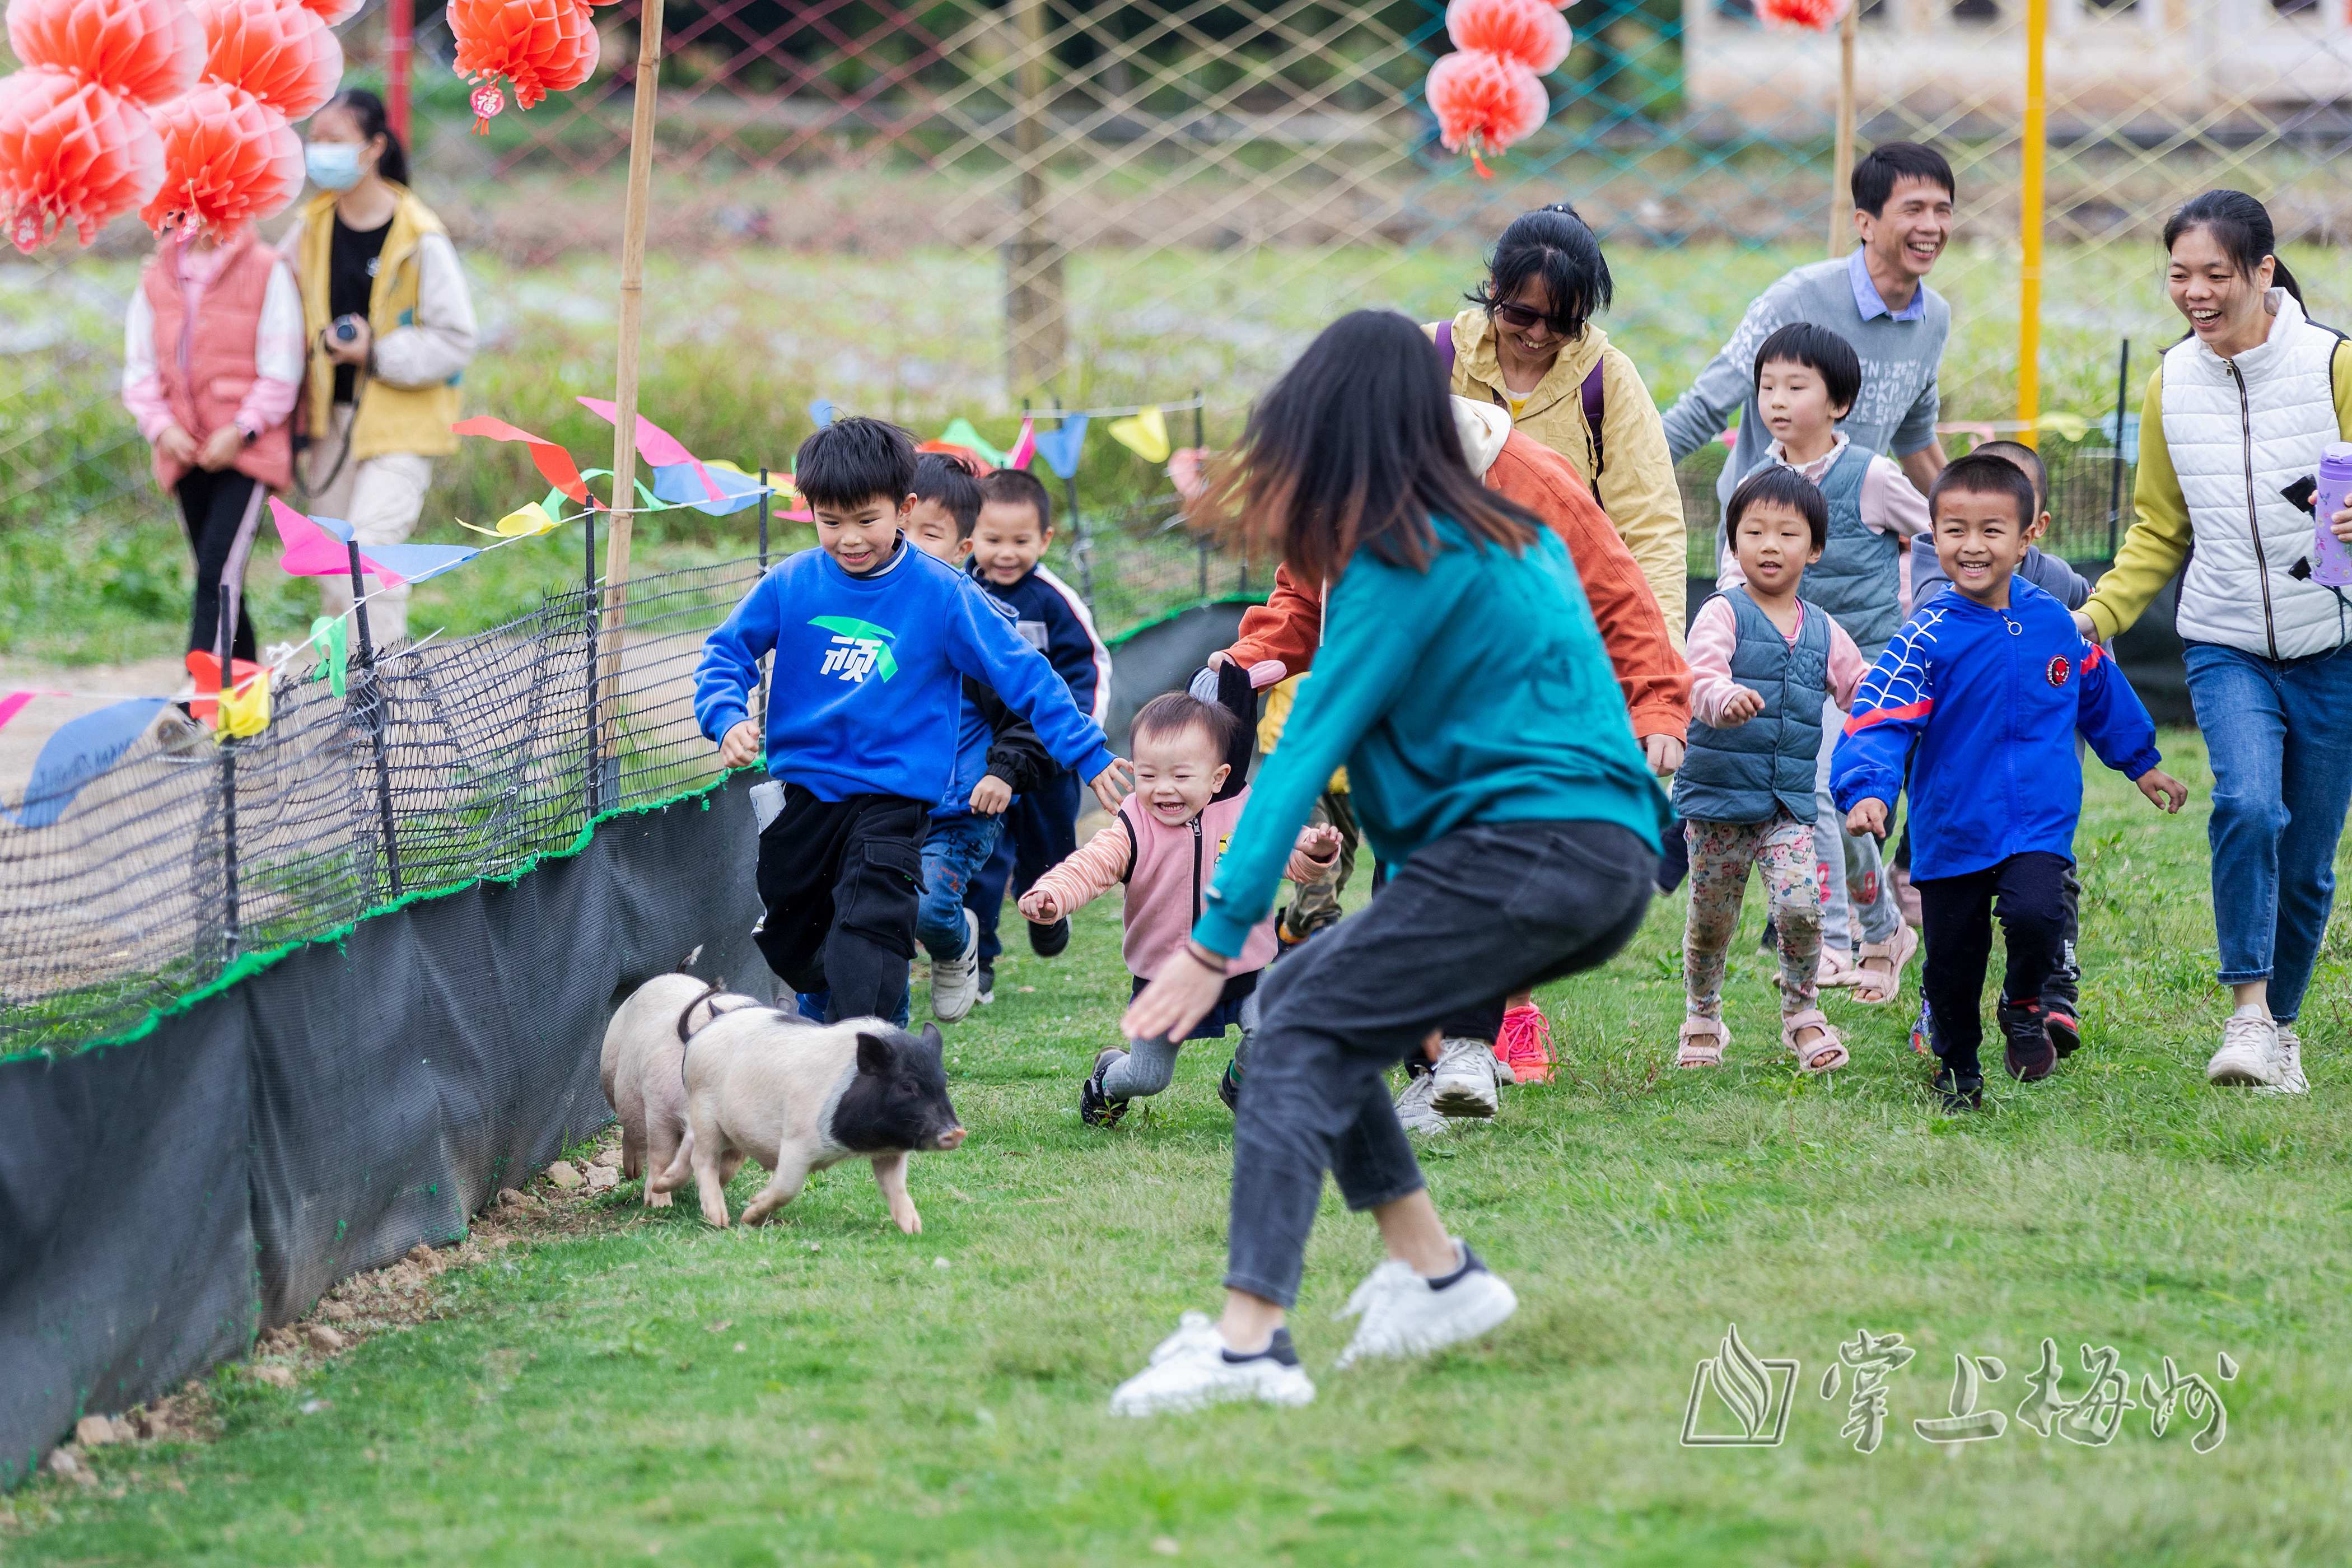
x=1524 y=1044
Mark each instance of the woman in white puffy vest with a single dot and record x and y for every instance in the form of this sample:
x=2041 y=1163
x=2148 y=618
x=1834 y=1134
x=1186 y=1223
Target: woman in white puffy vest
x=2238 y=412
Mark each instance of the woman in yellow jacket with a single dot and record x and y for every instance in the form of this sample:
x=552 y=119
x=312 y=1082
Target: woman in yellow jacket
x=1527 y=343
x=391 y=328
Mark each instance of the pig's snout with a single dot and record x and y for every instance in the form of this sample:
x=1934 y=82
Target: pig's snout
x=951 y=1138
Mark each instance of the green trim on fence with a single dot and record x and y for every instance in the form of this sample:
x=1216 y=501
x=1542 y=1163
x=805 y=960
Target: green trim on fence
x=253 y=964
x=1184 y=609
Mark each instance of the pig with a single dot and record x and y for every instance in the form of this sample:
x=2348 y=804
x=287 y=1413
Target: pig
x=799 y=1098
x=639 y=1068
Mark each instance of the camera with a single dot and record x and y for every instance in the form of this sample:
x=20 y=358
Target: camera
x=346 y=329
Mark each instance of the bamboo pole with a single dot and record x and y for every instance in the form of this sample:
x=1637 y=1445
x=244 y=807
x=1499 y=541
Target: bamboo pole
x=2034 y=152
x=1033 y=304
x=624 y=387
x=1842 y=160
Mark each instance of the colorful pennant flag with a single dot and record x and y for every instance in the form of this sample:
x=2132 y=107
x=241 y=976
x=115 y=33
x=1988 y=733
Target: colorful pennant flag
x=960 y=433
x=13 y=703
x=822 y=413
x=331 y=635
x=1144 y=433
x=678 y=477
x=1024 y=445
x=527 y=520
x=551 y=460
x=83 y=750
x=1060 y=447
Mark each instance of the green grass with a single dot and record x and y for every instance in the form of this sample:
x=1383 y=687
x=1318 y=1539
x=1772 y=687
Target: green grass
x=581 y=1403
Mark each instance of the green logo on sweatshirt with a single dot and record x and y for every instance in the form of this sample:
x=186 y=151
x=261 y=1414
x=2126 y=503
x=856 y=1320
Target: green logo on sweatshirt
x=859 y=648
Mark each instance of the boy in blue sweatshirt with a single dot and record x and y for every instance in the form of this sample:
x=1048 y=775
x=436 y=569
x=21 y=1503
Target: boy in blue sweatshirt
x=1041 y=831
x=872 y=638
x=1990 y=680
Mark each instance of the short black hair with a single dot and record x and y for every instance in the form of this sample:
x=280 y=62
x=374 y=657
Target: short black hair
x=1876 y=175
x=2025 y=457
x=1820 y=350
x=1173 y=713
x=1986 y=474
x=940 y=478
x=851 y=461
x=1554 y=244
x=1019 y=487
x=1777 y=484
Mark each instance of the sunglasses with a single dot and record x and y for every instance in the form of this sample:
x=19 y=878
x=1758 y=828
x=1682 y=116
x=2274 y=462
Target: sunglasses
x=1518 y=318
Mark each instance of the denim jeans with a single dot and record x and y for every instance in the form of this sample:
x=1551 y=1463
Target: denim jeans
x=955 y=852
x=2280 y=735
x=1490 y=908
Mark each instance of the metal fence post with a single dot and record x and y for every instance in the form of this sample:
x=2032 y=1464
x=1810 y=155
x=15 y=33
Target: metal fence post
x=2116 y=464
x=375 y=720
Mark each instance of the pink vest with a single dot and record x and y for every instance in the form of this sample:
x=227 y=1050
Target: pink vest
x=1169 y=880
x=206 y=364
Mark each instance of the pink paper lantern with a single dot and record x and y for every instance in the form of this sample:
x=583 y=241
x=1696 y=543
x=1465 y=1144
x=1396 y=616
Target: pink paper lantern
x=1485 y=103
x=146 y=50
x=534 y=47
x=1530 y=32
x=274 y=50
x=73 y=154
x=229 y=160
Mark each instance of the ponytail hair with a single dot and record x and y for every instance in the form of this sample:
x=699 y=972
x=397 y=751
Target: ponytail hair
x=368 y=109
x=2241 y=226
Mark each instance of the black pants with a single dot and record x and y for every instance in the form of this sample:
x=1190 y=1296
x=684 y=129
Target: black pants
x=1041 y=831
x=1504 y=906
x=220 y=512
x=2029 y=893
x=841 y=880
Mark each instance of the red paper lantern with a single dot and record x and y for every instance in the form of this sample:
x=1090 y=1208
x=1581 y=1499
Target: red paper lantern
x=274 y=50
x=72 y=154
x=229 y=160
x=1528 y=31
x=146 y=50
x=535 y=46
x=1813 y=15
x=1484 y=102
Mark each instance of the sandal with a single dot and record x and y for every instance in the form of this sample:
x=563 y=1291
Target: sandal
x=1836 y=970
x=1696 y=1051
x=1875 y=988
x=1826 y=1054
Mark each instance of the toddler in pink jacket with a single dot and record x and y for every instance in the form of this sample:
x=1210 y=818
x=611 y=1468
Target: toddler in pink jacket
x=1192 y=765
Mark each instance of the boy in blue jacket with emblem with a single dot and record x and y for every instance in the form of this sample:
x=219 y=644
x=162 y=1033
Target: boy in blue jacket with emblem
x=872 y=639
x=1991 y=682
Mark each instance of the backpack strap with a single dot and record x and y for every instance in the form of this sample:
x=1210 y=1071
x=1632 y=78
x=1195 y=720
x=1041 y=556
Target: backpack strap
x=1445 y=351
x=1588 y=393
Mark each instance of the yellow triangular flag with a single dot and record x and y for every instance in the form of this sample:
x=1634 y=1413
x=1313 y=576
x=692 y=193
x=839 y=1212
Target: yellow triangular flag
x=526 y=519
x=244 y=711
x=1145 y=434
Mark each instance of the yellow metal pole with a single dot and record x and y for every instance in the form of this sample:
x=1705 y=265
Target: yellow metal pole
x=2034 y=149
x=1842 y=158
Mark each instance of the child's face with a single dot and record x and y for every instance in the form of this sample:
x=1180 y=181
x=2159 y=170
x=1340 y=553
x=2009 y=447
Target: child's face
x=859 y=538
x=1980 y=542
x=1795 y=403
x=1775 y=544
x=1178 y=774
x=931 y=529
x=1009 y=540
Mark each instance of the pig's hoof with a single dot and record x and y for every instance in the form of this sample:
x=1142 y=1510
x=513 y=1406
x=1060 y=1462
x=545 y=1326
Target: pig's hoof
x=755 y=1217
x=910 y=1221
x=655 y=1200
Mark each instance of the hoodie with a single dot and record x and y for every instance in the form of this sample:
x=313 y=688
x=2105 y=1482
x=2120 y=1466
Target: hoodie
x=1279 y=639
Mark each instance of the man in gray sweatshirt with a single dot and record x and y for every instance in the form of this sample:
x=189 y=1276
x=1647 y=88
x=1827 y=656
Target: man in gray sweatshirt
x=1877 y=298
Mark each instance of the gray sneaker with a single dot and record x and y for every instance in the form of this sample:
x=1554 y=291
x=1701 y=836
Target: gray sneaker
x=2290 y=1079
x=2249 y=1052
x=1462 y=1081
x=1412 y=1107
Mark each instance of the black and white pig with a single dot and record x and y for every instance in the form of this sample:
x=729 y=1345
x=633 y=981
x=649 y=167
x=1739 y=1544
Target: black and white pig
x=798 y=1099
x=640 y=1068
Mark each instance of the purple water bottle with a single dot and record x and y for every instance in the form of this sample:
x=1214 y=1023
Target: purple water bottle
x=2331 y=558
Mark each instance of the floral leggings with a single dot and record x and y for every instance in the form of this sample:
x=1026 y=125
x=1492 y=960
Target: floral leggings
x=1720 y=854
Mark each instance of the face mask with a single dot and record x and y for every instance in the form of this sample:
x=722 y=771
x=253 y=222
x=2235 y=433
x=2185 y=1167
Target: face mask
x=332 y=166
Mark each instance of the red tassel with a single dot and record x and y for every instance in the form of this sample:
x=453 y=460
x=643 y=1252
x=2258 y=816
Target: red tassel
x=1480 y=164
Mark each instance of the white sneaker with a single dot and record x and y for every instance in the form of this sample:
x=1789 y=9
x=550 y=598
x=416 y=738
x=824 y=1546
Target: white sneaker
x=2290 y=1079
x=2249 y=1052
x=1405 y=1315
x=955 y=982
x=1462 y=1081
x=1191 y=1370
x=1412 y=1107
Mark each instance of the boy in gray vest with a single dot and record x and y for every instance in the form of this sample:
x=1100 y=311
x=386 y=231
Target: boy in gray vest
x=1765 y=665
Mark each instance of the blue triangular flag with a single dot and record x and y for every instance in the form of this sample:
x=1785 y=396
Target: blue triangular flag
x=80 y=751
x=415 y=562
x=1060 y=447
x=821 y=412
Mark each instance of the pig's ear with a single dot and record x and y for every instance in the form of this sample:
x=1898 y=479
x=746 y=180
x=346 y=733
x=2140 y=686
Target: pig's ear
x=873 y=1055
x=932 y=1042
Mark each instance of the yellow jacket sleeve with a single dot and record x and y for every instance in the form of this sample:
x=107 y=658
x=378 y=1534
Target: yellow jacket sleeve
x=2158 y=542
x=1638 y=490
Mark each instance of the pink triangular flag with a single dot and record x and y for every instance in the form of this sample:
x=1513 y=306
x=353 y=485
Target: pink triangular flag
x=311 y=550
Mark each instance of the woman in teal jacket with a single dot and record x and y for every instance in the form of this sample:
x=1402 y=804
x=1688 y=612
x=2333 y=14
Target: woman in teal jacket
x=1464 y=684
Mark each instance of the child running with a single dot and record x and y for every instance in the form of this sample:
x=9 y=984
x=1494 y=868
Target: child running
x=872 y=638
x=1807 y=379
x=2061 y=997
x=1765 y=666
x=1991 y=682
x=1191 y=767
x=998 y=757
x=1462 y=681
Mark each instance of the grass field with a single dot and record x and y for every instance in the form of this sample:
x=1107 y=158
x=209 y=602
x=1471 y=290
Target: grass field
x=827 y=1391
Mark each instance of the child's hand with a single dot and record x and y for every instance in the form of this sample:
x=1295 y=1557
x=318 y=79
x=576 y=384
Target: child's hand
x=1867 y=816
x=991 y=795
x=2341 y=525
x=1321 y=842
x=1663 y=752
x=2085 y=625
x=177 y=447
x=1040 y=907
x=220 y=448
x=1744 y=705
x=2163 y=790
x=1114 y=784
x=740 y=747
